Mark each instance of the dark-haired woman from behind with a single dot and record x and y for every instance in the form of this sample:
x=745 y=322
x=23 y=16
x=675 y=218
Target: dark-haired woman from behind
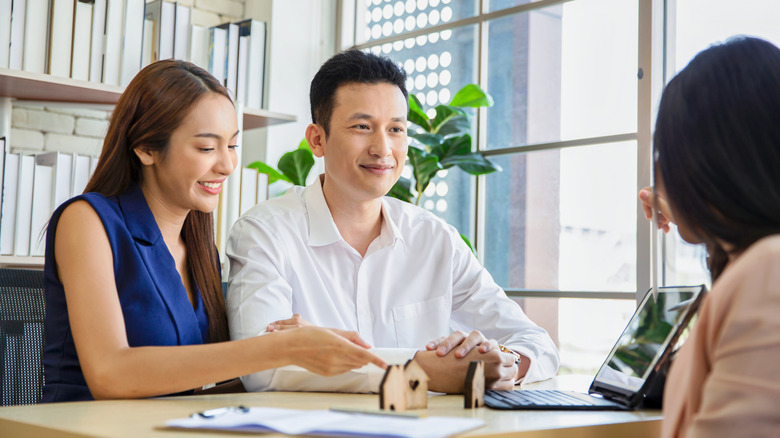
x=717 y=140
x=134 y=304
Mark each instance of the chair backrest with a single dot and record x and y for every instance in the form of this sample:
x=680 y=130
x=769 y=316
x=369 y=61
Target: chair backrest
x=22 y=308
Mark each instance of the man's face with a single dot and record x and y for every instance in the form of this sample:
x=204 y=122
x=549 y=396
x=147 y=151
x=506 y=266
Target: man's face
x=366 y=148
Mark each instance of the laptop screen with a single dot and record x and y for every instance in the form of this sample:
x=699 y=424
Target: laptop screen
x=646 y=337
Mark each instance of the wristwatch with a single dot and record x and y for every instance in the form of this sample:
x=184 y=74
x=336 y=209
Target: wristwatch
x=517 y=355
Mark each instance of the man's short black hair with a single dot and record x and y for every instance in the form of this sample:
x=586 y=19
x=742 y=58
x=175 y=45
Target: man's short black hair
x=351 y=66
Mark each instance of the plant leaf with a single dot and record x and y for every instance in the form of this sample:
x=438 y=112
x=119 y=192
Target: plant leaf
x=432 y=142
x=424 y=166
x=304 y=145
x=455 y=126
x=468 y=243
x=273 y=174
x=444 y=113
x=473 y=163
x=417 y=115
x=402 y=190
x=296 y=165
x=471 y=96
x=450 y=121
x=452 y=147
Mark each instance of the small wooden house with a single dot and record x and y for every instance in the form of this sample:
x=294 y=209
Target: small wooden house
x=404 y=388
x=392 y=389
x=474 y=388
x=417 y=386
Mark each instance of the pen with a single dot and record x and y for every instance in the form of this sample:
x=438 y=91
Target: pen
x=379 y=412
x=216 y=412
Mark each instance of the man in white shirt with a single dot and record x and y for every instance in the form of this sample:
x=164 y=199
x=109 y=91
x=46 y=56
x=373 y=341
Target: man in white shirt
x=338 y=253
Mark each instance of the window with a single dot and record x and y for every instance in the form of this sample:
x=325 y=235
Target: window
x=570 y=127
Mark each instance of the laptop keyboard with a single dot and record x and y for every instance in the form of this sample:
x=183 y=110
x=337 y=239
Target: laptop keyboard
x=546 y=400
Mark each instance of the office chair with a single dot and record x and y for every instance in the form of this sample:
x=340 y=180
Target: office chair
x=22 y=307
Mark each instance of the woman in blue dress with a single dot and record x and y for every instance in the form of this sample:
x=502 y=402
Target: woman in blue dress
x=134 y=300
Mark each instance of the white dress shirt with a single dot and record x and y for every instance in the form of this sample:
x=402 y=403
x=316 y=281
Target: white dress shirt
x=418 y=281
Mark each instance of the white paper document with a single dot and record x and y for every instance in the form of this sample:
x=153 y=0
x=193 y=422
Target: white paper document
x=321 y=422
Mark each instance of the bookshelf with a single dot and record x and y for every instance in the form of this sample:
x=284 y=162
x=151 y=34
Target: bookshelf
x=21 y=262
x=38 y=87
x=259 y=118
x=22 y=85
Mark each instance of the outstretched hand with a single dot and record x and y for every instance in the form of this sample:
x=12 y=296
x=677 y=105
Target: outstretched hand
x=328 y=351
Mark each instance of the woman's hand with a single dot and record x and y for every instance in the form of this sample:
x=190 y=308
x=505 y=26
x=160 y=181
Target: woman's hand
x=663 y=215
x=284 y=324
x=328 y=351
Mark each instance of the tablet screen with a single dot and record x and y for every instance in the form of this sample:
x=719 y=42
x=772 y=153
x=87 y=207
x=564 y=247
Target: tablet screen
x=646 y=337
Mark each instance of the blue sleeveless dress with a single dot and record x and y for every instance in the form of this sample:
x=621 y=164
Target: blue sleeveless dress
x=154 y=301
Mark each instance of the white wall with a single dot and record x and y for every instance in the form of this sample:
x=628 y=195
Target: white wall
x=301 y=37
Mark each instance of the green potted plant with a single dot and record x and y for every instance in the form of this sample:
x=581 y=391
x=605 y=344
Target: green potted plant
x=442 y=142
x=294 y=166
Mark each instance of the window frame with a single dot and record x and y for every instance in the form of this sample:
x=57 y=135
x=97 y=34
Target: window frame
x=655 y=31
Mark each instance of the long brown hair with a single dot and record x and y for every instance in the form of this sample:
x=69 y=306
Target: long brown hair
x=154 y=104
x=717 y=140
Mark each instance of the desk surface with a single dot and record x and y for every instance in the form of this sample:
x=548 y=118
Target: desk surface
x=142 y=418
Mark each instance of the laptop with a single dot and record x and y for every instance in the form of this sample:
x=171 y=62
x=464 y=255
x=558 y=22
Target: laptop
x=634 y=370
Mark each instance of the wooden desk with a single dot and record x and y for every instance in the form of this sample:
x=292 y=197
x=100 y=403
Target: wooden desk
x=141 y=418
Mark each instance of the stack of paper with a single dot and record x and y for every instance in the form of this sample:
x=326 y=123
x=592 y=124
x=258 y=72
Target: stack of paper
x=299 y=422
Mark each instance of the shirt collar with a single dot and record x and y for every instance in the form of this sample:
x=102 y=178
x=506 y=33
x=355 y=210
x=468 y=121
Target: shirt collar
x=390 y=232
x=322 y=228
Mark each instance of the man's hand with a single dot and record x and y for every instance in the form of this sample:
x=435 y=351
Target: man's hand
x=448 y=372
x=462 y=344
x=285 y=324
